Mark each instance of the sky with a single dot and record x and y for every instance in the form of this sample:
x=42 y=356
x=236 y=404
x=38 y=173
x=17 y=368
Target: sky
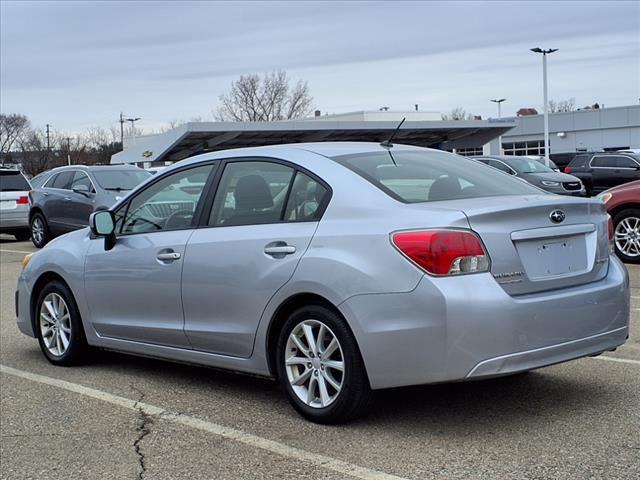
x=78 y=64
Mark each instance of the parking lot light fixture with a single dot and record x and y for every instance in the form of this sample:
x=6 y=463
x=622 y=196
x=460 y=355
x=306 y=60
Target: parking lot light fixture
x=546 y=102
x=499 y=101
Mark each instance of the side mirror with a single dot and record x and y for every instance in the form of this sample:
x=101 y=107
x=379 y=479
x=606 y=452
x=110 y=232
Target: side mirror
x=82 y=189
x=102 y=224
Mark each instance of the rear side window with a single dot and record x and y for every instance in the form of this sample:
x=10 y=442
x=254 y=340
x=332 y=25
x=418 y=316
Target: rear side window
x=62 y=180
x=424 y=176
x=13 y=182
x=251 y=193
x=305 y=200
x=603 y=162
x=579 y=161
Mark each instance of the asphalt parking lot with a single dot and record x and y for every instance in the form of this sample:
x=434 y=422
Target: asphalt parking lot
x=126 y=417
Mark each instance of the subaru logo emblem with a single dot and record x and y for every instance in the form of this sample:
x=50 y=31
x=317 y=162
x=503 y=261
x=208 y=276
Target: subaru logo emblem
x=557 y=216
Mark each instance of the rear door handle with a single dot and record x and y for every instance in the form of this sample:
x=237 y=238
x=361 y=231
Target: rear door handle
x=280 y=250
x=168 y=256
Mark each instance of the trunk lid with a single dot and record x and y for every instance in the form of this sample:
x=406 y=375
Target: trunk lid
x=529 y=251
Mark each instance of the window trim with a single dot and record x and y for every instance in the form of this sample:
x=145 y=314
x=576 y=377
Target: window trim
x=197 y=214
x=614 y=168
x=208 y=205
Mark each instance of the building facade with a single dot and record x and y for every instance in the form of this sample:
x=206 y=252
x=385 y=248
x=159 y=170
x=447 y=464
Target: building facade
x=607 y=129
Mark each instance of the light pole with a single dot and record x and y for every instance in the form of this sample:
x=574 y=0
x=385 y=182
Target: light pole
x=499 y=101
x=546 y=102
x=122 y=120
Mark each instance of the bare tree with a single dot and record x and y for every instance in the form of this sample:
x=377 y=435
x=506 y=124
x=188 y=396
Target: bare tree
x=12 y=127
x=568 y=105
x=256 y=99
x=458 y=113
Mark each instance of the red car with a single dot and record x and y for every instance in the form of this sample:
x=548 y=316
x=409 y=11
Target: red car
x=623 y=204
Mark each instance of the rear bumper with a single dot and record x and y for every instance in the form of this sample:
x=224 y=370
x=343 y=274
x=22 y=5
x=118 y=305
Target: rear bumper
x=458 y=328
x=545 y=356
x=14 y=220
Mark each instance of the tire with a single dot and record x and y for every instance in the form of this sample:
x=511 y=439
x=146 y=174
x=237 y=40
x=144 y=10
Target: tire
x=40 y=233
x=23 y=235
x=626 y=228
x=52 y=318
x=338 y=405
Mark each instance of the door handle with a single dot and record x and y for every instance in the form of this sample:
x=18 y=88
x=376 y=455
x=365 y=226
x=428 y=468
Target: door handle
x=68 y=199
x=168 y=256
x=280 y=250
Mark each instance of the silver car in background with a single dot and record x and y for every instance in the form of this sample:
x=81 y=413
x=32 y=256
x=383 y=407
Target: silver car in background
x=14 y=203
x=338 y=269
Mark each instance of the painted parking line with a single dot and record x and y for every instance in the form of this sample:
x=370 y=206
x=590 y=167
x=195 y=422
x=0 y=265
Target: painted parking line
x=14 y=251
x=619 y=360
x=323 y=461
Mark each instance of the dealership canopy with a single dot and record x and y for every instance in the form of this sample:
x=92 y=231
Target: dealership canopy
x=195 y=138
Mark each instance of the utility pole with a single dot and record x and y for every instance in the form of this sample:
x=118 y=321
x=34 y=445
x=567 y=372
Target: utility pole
x=48 y=144
x=122 y=120
x=68 y=150
x=546 y=102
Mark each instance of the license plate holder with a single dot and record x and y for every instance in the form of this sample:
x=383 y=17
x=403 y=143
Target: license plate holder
x=553 y=257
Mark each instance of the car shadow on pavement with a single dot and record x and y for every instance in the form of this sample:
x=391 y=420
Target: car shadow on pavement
x=465 y=406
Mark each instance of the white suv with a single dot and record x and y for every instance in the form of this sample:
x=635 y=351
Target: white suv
x=14 y=204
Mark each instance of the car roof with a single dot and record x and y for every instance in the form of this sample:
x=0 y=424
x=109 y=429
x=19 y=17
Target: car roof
x=326 y=149
x=94 y=168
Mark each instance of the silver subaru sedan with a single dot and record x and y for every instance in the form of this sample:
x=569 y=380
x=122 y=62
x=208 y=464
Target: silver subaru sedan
x=337 y=269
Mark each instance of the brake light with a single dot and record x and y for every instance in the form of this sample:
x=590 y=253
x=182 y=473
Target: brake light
x=22 y=200
x=443 y=252
x=567 y=169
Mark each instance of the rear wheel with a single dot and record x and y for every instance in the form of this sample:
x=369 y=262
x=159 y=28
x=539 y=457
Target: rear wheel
x=320 y=367
x=59 y=326
x=40 y=235
x=626 y=234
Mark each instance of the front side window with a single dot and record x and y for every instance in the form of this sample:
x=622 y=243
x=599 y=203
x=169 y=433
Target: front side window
x=625 y=162
x=500 y=166
x=168 y=204
x=429 y=175
x=251 y=193
x=81 y=178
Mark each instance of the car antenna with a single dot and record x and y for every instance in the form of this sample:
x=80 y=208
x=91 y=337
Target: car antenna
x=387 y=143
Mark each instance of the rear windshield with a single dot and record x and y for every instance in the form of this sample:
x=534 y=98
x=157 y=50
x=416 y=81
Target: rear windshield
x=425 y=176
x=119 y=180
x=13 y=182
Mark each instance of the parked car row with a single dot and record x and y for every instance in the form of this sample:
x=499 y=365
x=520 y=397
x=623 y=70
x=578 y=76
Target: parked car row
x=68 y=195
x=604 y=170
x=536 y=173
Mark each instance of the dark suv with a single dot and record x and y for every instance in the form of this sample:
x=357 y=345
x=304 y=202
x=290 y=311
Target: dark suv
x=601 y=171
x=70 y=194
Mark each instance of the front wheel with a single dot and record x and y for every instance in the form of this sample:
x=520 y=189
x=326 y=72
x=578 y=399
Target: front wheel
x=320 y=367
x=626 y=235
x=59 y=326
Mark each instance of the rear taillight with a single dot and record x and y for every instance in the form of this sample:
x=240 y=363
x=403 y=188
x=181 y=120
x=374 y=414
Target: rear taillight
x=611 y=235
x=443 y=252
x=567 y=169
x=22 y=200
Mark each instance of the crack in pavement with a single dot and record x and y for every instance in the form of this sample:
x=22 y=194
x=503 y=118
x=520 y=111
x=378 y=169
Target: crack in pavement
x=143 y=427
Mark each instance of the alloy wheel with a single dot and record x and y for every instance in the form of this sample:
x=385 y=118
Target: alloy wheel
x=37 y=230
x=627 y=236
x=55 y=324
x=314 y=363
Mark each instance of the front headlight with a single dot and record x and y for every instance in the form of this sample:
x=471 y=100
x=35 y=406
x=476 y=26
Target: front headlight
x=605 y=197
x=549 y=183
x=26 y=260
